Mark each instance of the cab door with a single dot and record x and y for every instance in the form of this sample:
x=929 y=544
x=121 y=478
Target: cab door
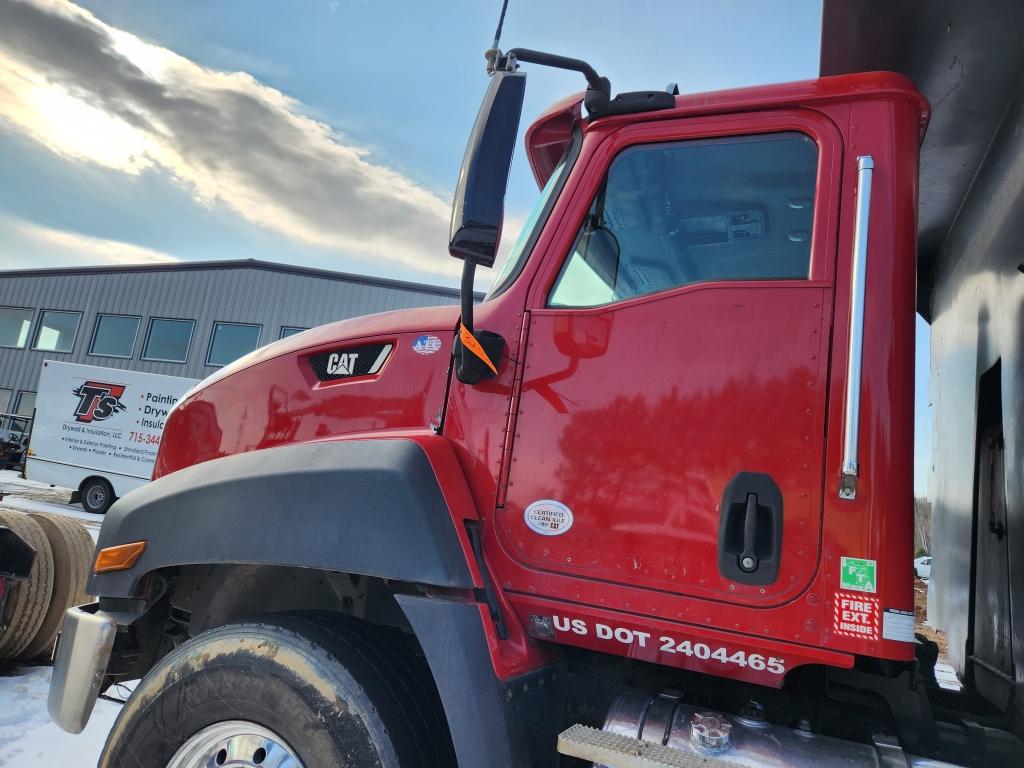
x=670 y=425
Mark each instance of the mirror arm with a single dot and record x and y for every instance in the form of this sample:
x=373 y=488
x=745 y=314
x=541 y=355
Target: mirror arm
x=477 y=353
x=598 y=97
x=466 y=311
x=594 y=80
x=466 y=292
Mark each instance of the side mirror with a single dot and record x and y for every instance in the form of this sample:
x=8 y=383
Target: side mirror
x=478 y=207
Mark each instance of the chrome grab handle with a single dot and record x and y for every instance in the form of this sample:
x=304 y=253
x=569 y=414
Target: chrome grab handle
x=848 y=482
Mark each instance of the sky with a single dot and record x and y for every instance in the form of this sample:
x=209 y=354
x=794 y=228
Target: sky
x=325 y=133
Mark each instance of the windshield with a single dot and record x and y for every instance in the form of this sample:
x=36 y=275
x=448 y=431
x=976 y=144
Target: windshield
x=531 y=227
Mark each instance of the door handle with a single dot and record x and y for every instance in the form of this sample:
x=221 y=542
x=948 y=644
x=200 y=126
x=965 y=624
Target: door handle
x=750 y=529
x=748 y=557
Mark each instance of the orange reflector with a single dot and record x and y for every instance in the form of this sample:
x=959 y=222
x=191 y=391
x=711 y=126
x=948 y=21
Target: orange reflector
x=118 y=558
x=469 y=342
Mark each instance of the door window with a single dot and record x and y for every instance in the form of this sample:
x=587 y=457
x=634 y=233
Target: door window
x=671 y=214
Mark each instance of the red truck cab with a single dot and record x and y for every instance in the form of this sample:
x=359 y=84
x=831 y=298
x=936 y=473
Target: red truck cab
x=673 y=445
x=641 y=405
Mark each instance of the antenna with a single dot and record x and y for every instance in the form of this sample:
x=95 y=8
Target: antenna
x=501 y=21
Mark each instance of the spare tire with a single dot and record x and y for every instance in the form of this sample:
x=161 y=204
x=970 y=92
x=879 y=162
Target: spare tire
x=29 y=599
x=72 y=548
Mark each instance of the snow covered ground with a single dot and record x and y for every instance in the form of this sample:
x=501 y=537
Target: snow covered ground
x=10 y=482
x=30 y=496
x=946 y=677
x=29 y=737
x=91 y=522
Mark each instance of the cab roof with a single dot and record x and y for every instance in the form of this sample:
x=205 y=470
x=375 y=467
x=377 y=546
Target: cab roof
x=550 y=134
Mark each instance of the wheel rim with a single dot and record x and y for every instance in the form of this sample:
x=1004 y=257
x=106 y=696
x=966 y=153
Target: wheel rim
x=235 y=744
x=96 y=495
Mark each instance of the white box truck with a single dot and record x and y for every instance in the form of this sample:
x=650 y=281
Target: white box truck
x=97 y=430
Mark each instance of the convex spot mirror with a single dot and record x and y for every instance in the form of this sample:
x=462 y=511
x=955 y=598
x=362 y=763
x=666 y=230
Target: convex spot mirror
x=600 y=250
x=479 y=203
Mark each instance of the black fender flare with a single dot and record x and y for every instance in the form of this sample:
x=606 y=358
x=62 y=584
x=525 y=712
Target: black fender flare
x=367 y=506
x=493 y=723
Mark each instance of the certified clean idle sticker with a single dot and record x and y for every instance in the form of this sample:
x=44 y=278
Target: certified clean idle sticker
x=548 y=517
x=426 y=344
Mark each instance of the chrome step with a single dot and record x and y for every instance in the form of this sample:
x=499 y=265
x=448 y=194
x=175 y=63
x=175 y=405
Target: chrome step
x=615 y=751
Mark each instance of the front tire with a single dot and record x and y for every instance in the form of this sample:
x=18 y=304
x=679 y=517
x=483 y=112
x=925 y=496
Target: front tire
x=323 y=690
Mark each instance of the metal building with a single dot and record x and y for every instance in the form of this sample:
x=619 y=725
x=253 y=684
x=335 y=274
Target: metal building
x=179 y=319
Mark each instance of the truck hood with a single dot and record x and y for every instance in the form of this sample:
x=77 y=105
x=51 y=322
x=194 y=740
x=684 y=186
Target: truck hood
x=399 y=321
x=282 y=394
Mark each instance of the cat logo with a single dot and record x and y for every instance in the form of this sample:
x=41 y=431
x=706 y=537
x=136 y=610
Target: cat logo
x=98 y=401
x=342 y=363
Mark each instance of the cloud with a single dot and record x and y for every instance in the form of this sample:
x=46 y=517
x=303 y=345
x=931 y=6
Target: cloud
x=94 y=93
x=29 y=245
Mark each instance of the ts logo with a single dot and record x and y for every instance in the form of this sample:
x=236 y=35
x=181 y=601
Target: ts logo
x=98 y=401
x=342 y=364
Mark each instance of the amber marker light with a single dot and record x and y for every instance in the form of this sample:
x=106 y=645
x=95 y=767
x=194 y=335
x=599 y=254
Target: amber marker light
x=118 y=558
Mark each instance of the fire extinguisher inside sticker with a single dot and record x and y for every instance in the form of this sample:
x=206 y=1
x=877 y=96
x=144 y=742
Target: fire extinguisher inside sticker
x=856 y=616
x=548 y=517
x=858 y=574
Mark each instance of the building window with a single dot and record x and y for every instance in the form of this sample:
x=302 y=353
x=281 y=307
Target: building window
x=168 y=341
x=290 y=330
x=232 y=340
x=5 y=399
x=115 y=335
x=57 y=331
x=14 y=326
x=26 y=403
